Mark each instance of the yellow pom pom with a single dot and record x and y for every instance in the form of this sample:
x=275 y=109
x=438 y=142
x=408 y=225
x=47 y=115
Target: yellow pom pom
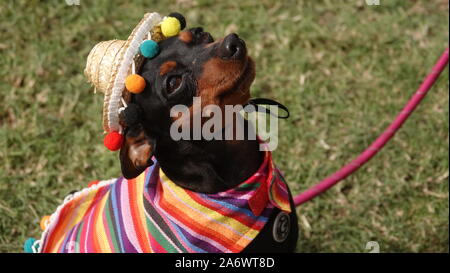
x=135 y=83
x=170 y=26
x=44 y=222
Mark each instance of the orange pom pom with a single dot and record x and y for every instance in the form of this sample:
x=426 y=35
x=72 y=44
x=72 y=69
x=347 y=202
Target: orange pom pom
x=113 y=141
x=135 y=83
x=44 y=222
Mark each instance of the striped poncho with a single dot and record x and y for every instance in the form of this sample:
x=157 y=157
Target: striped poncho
x=152 y=214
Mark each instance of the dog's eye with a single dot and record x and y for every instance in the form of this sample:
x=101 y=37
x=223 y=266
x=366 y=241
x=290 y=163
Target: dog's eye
x=173 y=83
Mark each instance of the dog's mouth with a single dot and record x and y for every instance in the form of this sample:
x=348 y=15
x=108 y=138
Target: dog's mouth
x=247 y=76
x=241 y=85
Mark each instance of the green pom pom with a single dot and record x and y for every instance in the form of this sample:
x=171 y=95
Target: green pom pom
x=149 y=48
x=28 y=246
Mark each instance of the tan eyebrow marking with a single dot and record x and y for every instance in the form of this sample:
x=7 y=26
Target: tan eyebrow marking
x=167 y=67
x=185 y=36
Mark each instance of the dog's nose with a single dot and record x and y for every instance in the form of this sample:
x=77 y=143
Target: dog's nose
x=232 y=47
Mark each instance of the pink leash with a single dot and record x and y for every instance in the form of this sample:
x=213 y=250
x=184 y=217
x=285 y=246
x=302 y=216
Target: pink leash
x=379 y=143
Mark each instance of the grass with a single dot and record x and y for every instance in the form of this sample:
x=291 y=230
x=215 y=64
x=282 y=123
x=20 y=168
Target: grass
x=343 y=68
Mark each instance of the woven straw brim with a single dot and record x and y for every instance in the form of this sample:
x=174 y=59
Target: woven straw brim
x=101 y=62
x=108 y=64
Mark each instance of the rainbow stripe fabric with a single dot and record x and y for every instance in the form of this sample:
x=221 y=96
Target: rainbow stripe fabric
x=152 y=214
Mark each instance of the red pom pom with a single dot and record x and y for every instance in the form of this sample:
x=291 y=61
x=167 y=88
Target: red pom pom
x=113 y=141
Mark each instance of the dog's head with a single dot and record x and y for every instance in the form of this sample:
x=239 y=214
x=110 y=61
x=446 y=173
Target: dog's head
x=189 y=65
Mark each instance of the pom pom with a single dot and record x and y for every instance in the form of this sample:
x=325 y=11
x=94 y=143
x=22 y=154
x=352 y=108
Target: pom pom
x=113 y=141
x=170 y=26
x=135 y=83
x=180 y=19
x=132 y=114
x=149 y=48
x=28 y=246
x=44 y=222
x=92 y=183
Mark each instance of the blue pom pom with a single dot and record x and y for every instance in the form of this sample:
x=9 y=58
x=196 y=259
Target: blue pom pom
x=28 y=246
x=149 y=48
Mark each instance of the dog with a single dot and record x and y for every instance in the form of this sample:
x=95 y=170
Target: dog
x=220 y=73
x=191 y=64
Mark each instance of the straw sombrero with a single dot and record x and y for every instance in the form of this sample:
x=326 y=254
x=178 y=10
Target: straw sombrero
x=112 y=67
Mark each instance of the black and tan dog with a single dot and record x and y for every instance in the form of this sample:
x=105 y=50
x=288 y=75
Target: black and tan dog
x=200 y=195
x=220 y=73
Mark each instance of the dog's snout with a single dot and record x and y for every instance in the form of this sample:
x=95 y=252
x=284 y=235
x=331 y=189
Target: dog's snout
x=197 y=30
x=232 y=47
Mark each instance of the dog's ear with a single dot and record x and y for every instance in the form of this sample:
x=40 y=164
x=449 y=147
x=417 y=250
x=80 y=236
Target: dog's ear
x=136 y=152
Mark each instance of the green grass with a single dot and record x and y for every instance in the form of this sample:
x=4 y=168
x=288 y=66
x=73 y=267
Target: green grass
x=344 y=69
